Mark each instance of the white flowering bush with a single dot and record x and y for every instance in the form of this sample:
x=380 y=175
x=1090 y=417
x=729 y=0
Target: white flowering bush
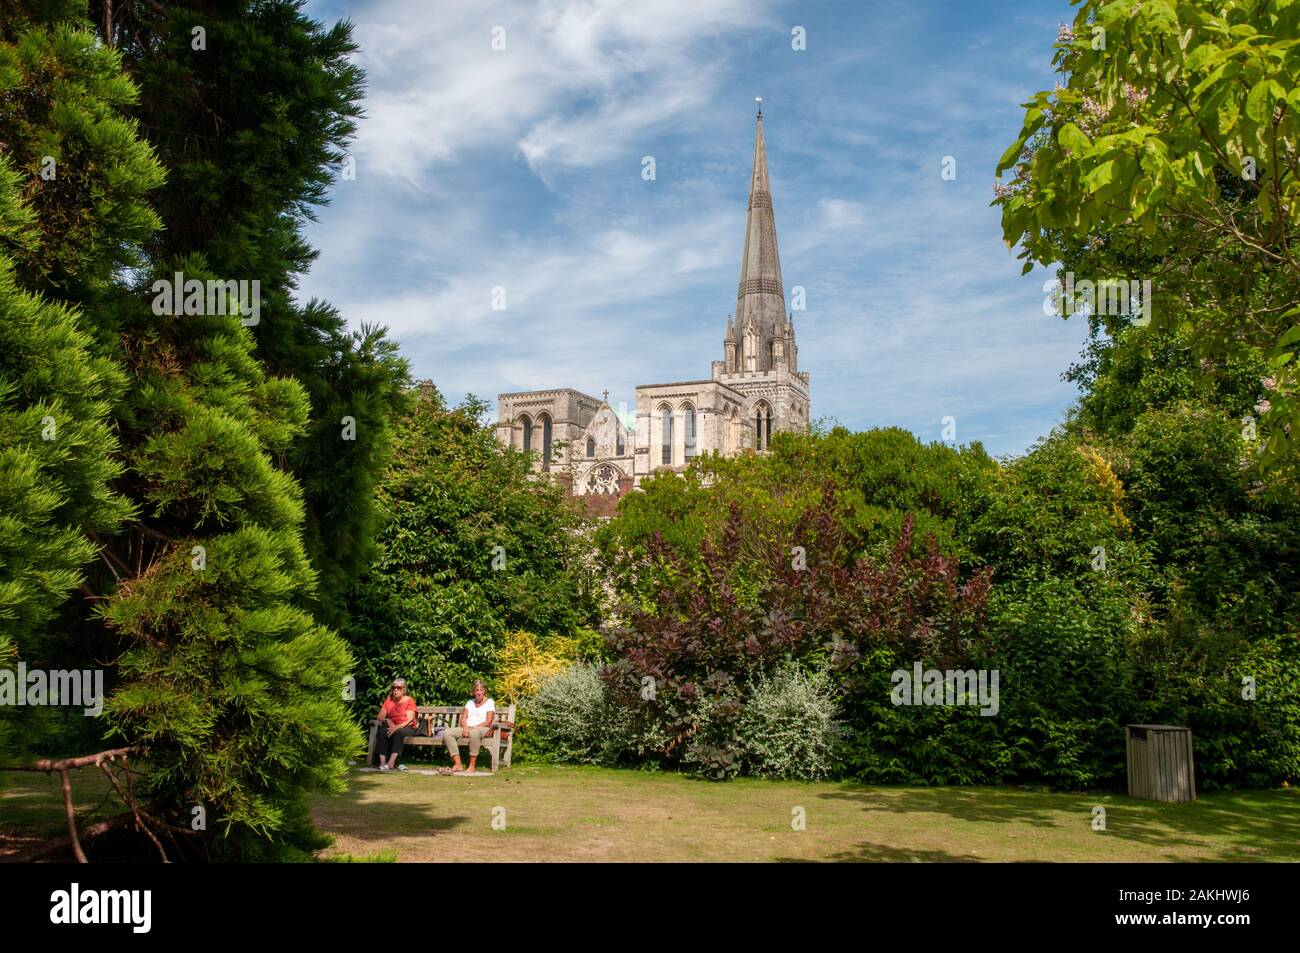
x=789 y=727
x=571 y=718
x=566 y=714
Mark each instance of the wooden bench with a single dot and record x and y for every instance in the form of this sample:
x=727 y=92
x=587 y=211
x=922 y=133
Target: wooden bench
x=498 y=743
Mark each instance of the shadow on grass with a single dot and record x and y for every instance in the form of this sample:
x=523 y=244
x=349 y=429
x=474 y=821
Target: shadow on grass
x=867 y=852
x=32 y=804
x=1260 y=825
x=348 y=814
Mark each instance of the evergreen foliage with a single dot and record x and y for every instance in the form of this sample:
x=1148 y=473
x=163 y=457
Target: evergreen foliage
x=253 y=129
x=470 y=549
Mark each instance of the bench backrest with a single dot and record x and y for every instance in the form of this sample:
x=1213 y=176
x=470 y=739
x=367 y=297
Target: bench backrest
x=447 y=716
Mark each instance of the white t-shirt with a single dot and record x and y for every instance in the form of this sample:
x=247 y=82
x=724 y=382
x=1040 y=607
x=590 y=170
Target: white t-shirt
x=477 y=715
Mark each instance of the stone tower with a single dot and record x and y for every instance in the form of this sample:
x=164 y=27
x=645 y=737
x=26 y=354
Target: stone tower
x=760 y=356
x=756 y=390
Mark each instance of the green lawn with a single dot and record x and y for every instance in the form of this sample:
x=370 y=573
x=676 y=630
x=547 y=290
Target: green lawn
x=559 y=813
x=572 y=813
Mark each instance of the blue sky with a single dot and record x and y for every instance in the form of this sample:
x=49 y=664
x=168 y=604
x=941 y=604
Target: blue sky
x=521 y=168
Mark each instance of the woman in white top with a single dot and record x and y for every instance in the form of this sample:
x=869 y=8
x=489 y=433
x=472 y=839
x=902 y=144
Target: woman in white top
x=475 y=724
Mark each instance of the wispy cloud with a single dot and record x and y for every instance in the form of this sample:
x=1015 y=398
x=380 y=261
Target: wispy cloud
x=522 y=169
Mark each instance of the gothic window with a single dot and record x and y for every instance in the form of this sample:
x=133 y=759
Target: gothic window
x=527 y=424
x=546 y=440
x=666 y=450
x=603 y=479
x=591 y=447
x=622 y=445
x=689 y=429
x=762 y=427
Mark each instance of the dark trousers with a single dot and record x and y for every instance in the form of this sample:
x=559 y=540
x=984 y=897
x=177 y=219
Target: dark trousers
x=384 y=744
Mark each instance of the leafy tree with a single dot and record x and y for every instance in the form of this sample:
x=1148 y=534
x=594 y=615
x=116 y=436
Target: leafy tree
x=1122 y=377
x=1225 y=547
x=471 y=548
x=233 y=687
x=702 y=650
x=881 y=477
x=85 y=172
x=1059 y=512
x=1172 y=146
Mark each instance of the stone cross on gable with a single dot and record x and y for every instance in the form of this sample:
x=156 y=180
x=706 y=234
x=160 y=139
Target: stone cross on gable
x=606 y=393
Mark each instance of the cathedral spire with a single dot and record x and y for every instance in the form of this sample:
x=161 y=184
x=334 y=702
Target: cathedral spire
x=760 y=297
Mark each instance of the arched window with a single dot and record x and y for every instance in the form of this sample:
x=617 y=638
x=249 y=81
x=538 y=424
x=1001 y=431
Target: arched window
x=546 y=440
x=666 y=451
x=622 y=445
x=591 y=447
x=527 y=424
x=762 y=426
x=689 y=432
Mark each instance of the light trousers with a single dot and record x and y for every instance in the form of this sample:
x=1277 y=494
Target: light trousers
x=451 y=736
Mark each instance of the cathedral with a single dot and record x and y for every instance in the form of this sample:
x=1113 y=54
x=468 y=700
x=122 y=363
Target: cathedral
x=756 y=389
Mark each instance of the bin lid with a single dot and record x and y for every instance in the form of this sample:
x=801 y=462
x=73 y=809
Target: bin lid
x=1160 y=727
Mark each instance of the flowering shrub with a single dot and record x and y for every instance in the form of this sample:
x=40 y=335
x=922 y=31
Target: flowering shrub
x=789 y=726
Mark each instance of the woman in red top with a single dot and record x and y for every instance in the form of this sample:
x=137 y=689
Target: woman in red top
x=396 y=724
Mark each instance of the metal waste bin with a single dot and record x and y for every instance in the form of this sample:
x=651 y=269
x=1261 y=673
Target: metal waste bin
x=1160 y=764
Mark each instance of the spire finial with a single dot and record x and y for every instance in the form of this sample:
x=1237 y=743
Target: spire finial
x=759 y=100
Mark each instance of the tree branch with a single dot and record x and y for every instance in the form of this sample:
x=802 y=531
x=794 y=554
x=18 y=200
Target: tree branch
x=85 y=761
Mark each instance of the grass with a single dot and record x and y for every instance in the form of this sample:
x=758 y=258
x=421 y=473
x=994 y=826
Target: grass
x=563 y=813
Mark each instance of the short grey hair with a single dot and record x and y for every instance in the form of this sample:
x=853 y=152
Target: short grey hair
x=398 y=682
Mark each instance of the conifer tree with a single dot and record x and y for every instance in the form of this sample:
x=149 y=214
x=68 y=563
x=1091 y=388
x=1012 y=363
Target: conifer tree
x=250 y=105
x=73 y=177
x=56 y=462
x=234 y=688
x=233 y=691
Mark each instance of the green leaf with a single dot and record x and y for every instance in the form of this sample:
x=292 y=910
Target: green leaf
x=1010 y=156
x=1071 y=137
x=1259 y=104
x=1227 y=114
x=1101 y=176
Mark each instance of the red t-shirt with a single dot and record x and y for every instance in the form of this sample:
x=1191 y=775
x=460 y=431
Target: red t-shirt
x=397 y=710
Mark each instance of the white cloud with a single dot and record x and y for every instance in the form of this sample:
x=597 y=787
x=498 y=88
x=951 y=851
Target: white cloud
x=841 y=213
x=631 y=66
x=915 y=308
